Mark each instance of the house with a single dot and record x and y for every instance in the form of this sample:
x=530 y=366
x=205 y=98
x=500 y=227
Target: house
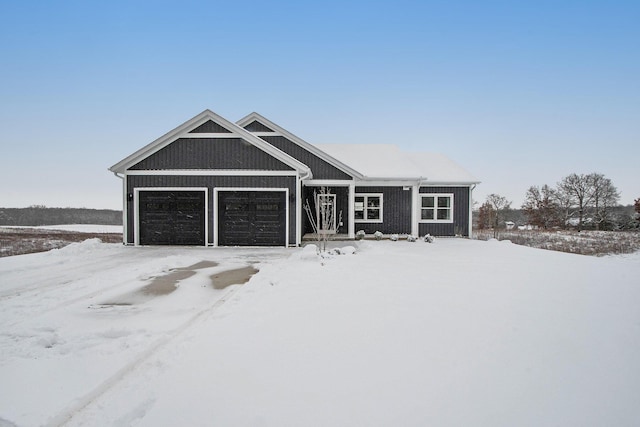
x=212 y=182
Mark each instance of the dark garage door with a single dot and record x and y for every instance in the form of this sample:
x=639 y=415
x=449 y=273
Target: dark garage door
x=251 y=218
x=171 y=217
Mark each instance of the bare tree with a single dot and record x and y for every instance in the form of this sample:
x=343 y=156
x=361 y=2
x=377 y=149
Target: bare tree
x=541 y=206
x=604 y=196
x=325 y=220
x=499 y=205
x=579 y=188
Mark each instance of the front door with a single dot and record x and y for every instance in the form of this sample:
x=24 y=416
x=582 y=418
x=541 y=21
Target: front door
x=326 y=213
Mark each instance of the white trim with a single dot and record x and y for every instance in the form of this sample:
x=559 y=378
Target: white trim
x=298 y=211
x=471 y=188
x=210 y=172
x=267 y=133
x=327 y=183
x=136 y=209
x=351 y=225
x=256 y=189
x=415 y=210
x=125 y=210
x=299 y=141
x=386 y=183
x=365 y=208
x=435 y=208
x=446 y=184
x=202 y=135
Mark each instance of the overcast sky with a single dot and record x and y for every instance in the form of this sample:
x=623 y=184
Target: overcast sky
x=519 y=93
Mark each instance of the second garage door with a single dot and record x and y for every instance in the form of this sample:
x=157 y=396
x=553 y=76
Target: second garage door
x=252 y=218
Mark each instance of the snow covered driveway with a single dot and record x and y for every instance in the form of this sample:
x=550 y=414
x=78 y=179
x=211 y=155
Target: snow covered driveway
x=454 y=333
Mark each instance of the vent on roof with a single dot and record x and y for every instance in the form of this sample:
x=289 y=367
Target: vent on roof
x=210 y=127
x=256 y=126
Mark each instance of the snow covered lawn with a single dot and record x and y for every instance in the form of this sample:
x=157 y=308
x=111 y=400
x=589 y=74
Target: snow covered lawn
x=454 y=333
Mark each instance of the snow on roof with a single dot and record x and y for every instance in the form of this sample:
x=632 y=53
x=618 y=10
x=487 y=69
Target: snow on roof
x=387 y=161
x=440 y=168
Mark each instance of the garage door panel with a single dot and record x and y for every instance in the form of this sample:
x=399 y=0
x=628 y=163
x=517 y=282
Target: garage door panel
x=251 y=218
x=171 y=217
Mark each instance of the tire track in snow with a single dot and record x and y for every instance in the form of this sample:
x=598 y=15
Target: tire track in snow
x=82 y=402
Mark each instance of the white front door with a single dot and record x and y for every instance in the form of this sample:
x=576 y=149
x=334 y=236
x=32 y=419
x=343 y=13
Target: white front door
x=326 y=213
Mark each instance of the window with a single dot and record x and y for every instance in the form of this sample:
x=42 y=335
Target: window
x=436 y=208
x=368 y=208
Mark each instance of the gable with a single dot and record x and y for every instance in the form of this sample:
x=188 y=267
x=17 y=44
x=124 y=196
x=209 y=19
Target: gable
x=323 y=165
x=209 y=141
x=256 y=126
x=210 y=153
x=321 y=168
x=210 y=127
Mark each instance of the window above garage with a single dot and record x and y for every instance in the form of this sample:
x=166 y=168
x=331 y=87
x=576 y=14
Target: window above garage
x=368 y=207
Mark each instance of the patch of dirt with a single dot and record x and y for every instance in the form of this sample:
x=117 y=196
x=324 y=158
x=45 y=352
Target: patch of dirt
x=18 y=241
x=237 y=276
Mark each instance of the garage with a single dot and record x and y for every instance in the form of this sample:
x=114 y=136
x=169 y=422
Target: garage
x=171 y=217
x=252 y=218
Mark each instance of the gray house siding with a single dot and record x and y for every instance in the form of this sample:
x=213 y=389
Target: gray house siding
x=396 y=211
x=460 y=225
x=211 y=182
x=210 y=127
x=321 y=169
x=210 y=153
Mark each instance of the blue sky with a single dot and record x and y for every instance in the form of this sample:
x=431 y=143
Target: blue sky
x=519 y=93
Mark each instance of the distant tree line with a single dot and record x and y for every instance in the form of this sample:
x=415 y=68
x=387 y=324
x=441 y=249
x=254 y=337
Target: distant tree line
x=41 y=215
x=580 y=201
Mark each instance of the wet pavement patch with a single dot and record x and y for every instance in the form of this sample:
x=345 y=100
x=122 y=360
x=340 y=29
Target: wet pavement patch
x=163 y=285
x=236 y=276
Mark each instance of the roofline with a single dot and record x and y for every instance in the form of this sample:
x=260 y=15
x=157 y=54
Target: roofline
x=207 y=114
x=420 y=180
x=301 y=142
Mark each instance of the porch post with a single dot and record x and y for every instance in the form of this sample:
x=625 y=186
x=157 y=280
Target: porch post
x=351 y=226
x=415 y=210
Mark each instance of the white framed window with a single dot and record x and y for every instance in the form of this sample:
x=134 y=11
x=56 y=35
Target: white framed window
x=368 y=207
x=436 y=207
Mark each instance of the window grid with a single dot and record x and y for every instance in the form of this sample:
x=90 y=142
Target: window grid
x=368 y=207
x=436 y=207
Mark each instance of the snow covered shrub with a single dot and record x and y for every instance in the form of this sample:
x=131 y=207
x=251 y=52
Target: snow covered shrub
x=394 y=237
x=309 y=252
x=428 y=238
x=377 y=235
x=411 y=238
x=360 y=235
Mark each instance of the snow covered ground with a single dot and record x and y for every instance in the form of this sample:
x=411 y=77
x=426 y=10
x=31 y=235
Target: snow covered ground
x=454 y=333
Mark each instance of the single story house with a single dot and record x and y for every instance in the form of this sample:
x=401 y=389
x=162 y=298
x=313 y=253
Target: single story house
x=212 y=182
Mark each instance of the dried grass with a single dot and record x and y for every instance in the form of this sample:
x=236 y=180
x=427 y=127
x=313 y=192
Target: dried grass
x=18 y=241
x=597 y=243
